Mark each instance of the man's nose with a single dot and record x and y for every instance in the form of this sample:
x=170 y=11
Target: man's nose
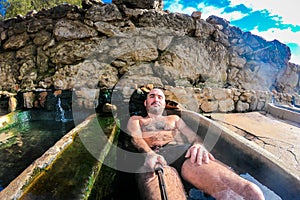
x=156 y=98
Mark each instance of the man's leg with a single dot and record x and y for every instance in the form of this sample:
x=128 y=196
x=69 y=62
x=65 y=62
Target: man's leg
x=150 y=188
x=220 y=182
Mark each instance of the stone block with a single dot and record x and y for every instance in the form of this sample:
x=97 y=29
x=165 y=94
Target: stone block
x=242 y=106
x=209 y=106
x=226 y=105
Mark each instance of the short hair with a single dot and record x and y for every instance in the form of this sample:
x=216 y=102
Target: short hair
x=138 y=97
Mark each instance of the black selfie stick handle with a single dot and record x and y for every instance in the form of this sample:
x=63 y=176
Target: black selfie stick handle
x=159 y=171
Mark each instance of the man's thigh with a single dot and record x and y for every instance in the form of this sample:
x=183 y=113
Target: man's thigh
x=212 y=177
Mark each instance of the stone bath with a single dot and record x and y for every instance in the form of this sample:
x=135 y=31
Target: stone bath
x=47 y=178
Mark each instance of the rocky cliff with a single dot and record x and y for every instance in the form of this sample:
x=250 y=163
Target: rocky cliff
x=129 y=43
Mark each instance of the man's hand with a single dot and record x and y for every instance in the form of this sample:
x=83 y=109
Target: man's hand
x=152 y=158
x=198 y=154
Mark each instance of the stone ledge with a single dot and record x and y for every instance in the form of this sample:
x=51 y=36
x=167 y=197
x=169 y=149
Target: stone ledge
x=284 y=112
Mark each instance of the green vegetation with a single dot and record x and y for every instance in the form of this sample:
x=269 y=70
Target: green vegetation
x=21 y=7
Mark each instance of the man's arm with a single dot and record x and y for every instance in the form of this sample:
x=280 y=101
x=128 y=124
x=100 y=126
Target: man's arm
x=197 y=152
x=134 y=129
x=152 y=158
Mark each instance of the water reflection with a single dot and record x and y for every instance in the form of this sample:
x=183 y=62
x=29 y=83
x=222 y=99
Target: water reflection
x=25 y=142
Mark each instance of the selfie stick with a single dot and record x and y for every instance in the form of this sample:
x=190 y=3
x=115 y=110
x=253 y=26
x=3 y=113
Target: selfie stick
x=159 y=171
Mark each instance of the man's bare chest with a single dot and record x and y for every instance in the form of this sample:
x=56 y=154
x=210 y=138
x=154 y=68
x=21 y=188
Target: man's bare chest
x=150 y=125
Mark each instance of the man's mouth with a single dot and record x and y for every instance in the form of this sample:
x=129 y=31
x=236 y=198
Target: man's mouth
x=155 y=104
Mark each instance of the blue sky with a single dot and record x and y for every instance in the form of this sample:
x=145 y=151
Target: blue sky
x=270 y=19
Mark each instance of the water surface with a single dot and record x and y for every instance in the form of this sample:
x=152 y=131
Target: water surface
x=21 y=144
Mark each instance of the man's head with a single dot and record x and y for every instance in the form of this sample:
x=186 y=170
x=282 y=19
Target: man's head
x=155 y=102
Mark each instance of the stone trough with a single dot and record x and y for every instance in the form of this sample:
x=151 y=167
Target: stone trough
x=245 y=157
x=51 y=175
x=66 y=166
x=25 y=136
x=291 y=113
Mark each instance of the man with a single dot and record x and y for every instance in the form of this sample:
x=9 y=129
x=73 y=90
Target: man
x=152 y=133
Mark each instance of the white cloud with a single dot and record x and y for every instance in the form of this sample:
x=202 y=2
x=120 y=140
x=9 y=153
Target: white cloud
x=212 y=10
x=283 y=35
x=209 y=10
x=206 y=11
x=234 y=15
x=189 y=10
x=175 y=6
x=288 y=9
x=296 y=56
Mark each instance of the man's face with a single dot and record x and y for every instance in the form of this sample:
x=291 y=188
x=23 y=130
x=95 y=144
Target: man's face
x=155 y=102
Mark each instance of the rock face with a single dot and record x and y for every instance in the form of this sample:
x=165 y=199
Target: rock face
x=129 y=43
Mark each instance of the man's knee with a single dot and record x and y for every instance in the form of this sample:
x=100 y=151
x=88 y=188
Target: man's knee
x=253 y=191
x=217 y=179
x=247 y=191
x=185 y=172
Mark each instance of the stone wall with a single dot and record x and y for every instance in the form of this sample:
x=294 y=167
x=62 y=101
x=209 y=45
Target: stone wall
x=125 y=44
x=207 y=100
x=235 y=100
x=204 y=100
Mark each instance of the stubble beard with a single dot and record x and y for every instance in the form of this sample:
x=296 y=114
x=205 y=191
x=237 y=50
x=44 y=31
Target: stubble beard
x=155 y=110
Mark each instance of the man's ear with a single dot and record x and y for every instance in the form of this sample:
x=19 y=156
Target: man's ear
x=145 y=103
